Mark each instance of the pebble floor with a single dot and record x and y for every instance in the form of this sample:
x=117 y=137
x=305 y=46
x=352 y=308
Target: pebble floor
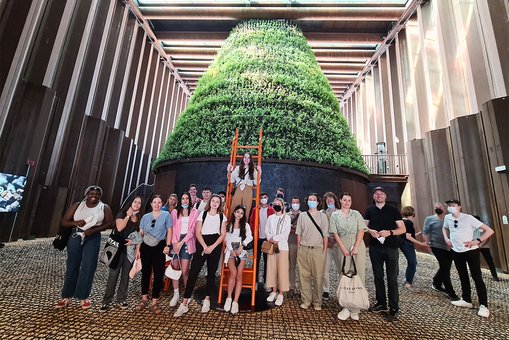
x=32 y=273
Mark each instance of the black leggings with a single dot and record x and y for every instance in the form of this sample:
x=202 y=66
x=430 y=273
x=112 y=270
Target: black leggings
x=152 y=259
x=197 y=263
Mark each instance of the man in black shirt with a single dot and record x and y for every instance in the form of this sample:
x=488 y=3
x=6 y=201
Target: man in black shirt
x=384 y=224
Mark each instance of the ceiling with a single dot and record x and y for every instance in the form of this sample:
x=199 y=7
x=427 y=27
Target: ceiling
x=345 y=35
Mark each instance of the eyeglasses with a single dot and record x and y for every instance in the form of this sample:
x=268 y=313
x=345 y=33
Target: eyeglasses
x=153 y=223
x=455 y=223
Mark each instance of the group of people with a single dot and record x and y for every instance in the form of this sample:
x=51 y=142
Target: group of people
x=191 y=231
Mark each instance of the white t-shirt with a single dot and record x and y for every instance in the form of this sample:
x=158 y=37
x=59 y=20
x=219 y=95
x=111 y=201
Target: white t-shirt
x=462 y=231
x=263 y=222
x=212 y=224
x=185 y=225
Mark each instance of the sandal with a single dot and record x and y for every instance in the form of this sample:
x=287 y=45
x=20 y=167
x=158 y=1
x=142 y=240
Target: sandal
x=86 y=304
x=141 y=305
x=154 y=308
x=62 y=303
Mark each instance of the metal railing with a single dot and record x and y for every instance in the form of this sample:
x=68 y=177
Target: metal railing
x=386 y=164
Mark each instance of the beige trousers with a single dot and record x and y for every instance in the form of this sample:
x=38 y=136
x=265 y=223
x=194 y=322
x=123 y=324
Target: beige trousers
x=311 y=263
x=333 y=255
x=277 y=271
x=243 y=197
x=292 y=245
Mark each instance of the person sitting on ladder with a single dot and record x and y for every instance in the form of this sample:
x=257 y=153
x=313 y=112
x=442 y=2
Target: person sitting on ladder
x=244 y=177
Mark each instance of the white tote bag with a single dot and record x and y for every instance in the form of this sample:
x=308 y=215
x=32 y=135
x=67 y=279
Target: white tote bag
x=351 y=292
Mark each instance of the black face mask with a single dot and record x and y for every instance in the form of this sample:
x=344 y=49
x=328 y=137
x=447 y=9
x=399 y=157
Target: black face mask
x=277 y=208
x=439 y=211
x=280 y=196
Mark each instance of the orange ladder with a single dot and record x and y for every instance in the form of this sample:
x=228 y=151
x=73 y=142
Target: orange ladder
x=249 y=274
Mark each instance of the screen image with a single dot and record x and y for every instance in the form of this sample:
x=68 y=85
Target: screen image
x=12 y=188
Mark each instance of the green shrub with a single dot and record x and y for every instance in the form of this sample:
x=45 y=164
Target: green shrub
x=265 y=76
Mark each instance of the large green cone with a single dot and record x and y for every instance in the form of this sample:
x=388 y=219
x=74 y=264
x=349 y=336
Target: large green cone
x=265 y=76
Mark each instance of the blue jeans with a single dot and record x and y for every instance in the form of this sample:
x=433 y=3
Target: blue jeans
x=389 y=256
x=81 y=266
x=408 y=249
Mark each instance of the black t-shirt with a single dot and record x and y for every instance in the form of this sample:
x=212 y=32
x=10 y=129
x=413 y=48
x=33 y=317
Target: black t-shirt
x=409 y=225
x=383 y=219
x=130 y=227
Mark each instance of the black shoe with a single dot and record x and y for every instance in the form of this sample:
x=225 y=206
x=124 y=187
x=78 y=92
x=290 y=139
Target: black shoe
x=438 y=288
x=378 y=308
x=326 y=295
x=391 y=315
x=104 y=308
x=2 y=244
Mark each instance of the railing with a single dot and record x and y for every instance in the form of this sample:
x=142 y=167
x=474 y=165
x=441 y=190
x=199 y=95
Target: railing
x=386 y=164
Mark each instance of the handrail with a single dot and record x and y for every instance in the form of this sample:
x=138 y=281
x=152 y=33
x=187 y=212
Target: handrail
x=382 y=164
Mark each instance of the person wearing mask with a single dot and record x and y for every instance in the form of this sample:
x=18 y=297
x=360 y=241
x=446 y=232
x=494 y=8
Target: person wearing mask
x=193 y=191
x=83 y=246
x=171 y=203
x=280 y=193
x=210 y=232
x=183 y=240
x=384 y=224
x=244 y=178
x=485 y=251
x=312 y=234
x=238 y=236
x=156 y=231
x=407 y=245
x=127 y=224
x=330 y=204
x=264 y=212
x=459 y=229
x=292 y=244
x=206 y=193
x=347 y=226
x=278 y=229
x=432 y=233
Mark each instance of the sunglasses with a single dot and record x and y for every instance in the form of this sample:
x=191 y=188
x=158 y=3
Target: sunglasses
x=455 y=223
x=153 y=223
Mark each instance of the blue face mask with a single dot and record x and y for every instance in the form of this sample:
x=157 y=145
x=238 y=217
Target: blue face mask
x=312 y=204
x=185 y=206
x=330 y=206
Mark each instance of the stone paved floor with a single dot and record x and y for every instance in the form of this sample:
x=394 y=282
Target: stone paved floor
x=31 y=277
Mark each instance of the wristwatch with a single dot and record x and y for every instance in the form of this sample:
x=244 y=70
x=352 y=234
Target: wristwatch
x=478 y=239
x=391 y=232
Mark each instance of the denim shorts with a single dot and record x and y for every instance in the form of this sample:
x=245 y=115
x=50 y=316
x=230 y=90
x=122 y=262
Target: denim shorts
x=183 y=255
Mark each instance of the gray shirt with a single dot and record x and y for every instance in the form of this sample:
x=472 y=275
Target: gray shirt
x=433 y=228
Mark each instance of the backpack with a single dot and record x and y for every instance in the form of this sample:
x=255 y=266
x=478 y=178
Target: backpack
x=205 y=216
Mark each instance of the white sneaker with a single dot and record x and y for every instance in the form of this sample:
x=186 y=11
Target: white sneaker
x=462 y=303
x=181 y=310
x=205 y=307
x=483 y=311
x=279 y=300
x=235 y=307
x=272 y=297
x=344 y=314
x=228 y=304
x=354 y=316
x=175 y=299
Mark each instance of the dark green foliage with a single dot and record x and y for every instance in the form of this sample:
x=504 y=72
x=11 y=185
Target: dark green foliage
x=265 y=76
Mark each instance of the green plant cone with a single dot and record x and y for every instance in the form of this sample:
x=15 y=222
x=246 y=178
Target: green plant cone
x=265 y=77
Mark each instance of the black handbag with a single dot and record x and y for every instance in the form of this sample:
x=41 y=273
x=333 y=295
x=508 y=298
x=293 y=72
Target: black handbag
x=60 y=242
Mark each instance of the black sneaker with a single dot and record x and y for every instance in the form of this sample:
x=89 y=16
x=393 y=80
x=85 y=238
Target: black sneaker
x=378 y=308
x=104 y=308
x=438 y=289
x=326 y=295
x=391 y=315
x=123 y=305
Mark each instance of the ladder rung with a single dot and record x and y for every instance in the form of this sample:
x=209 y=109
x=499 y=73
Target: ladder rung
x=247 y=147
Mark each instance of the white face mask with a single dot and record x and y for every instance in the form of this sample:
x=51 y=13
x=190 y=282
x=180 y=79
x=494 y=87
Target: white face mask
x=452 y=210
x=263 y=201
x=296 y=206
